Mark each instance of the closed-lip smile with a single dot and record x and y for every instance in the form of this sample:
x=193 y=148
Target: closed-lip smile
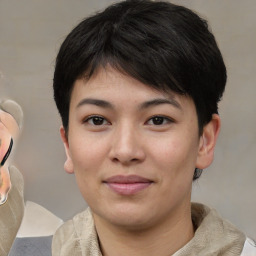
x=127 y=185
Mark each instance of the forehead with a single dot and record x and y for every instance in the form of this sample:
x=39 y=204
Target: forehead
x=107 y=79
x=122 y=90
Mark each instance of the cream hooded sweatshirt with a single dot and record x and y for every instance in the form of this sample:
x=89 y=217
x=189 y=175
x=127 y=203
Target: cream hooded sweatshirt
x=214 y=236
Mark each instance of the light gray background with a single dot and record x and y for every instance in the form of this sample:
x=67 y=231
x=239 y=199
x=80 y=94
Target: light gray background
x=30 y=34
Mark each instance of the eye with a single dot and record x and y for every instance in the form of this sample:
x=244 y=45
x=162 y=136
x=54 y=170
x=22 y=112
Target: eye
x=159 y=120
x=96 y=120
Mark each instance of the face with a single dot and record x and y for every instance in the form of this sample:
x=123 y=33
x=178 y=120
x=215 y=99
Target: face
x=133 y=149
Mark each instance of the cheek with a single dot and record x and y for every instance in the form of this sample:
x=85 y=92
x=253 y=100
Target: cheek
x=87 y=154
x=175 y=154
x=87 y=160
x=174 y=159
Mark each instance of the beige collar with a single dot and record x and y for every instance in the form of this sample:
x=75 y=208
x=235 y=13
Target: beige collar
x=213 y=237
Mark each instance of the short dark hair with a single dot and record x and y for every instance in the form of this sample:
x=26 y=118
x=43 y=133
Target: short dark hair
x=163 y=45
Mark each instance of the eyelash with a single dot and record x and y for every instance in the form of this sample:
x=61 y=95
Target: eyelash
x=103 y=121
x=94 y=117
x=164 y=119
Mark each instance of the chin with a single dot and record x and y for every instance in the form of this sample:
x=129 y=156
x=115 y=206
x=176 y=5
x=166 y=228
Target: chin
x=131 y=223
x=129 y=217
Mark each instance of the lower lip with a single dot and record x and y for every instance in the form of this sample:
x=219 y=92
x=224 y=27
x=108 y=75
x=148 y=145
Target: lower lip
x=128 y=188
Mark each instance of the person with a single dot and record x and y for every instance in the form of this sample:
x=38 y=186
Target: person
x=25 y=229
x=11 y=180
x=137 y=87
x=9 y=130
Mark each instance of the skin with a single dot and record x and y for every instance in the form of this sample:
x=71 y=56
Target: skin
x=5 y=138
x=9 y=122
x=8 y=129
x=137 y=131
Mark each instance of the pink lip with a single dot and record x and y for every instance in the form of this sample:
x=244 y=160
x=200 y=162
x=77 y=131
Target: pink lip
x=127 y=185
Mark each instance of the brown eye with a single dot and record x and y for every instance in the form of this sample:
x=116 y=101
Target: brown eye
x=157 y=120
x=96 y=121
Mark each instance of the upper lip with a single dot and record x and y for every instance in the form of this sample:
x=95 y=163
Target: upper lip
x=127 y=179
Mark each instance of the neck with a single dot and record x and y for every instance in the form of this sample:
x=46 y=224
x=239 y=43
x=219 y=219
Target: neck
x=163 y=239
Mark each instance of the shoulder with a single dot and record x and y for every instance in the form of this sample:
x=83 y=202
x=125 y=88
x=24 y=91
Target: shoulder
x=73 y=227
x=66 y=237
x=71 y=236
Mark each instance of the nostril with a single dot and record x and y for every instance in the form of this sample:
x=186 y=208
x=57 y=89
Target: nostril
x=115 y=160
x=125 y=161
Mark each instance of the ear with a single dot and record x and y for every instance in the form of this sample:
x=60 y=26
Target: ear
x=207 y=142
x=68 y=165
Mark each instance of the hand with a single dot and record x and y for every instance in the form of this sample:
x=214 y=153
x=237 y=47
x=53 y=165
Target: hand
x=10 y=122
x=11 y=180
x=11 y=212
x=5 y=149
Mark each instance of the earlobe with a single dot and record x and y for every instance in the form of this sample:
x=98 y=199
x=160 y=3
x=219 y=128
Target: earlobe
x=68 y=165
x=207 y=142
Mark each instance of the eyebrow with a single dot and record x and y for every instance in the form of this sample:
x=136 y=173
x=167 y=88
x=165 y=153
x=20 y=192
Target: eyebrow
x=96 y=102
x=156 y=102
x=144 y=105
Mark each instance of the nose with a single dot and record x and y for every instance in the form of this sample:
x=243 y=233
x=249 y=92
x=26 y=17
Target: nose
x=127 y=146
